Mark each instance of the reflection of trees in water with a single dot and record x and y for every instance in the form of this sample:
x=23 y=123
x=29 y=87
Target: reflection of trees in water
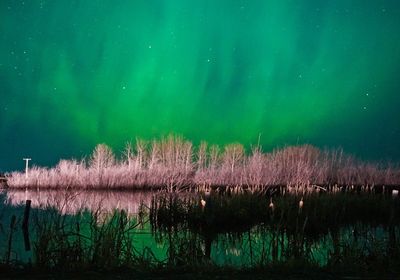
x=237 y=229
x=72 y=202
x=321 y=229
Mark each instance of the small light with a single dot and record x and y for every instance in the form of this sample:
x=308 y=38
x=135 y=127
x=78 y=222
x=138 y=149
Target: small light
x=271 y=205
x=301 y=203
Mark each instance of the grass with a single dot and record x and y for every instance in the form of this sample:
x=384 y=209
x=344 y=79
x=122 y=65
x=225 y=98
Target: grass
x=99 y=241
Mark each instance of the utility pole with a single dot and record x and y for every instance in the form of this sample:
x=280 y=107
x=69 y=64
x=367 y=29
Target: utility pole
x=26 y=166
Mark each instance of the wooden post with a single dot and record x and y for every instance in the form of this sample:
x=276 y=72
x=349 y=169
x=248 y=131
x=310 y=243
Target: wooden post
x=25 y=225
x=12 y=228
x=26 y=166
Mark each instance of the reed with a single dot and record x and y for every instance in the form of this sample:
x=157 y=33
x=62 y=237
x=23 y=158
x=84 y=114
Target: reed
x=326 y=231
x=350 y=225
x=99 y=241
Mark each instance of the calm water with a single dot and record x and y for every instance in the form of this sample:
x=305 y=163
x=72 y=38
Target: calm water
x=166 y=225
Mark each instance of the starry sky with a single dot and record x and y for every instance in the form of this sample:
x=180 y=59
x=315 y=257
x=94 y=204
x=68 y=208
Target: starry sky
x=76 y=73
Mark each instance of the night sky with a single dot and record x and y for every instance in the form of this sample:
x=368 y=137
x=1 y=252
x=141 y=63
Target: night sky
x=76 y=73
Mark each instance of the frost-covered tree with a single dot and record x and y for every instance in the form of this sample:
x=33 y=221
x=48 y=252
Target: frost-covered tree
x=102 y=157
x=233 y=155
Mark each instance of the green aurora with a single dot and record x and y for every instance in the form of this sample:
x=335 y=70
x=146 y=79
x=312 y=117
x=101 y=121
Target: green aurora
x=76 y=73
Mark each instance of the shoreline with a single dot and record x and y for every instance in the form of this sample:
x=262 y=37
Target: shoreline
x=271 y=189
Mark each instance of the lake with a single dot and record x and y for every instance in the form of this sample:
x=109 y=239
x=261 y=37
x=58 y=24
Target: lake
x=116 y=229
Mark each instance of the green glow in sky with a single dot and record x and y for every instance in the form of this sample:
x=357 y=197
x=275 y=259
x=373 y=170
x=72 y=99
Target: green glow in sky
x=75 y=73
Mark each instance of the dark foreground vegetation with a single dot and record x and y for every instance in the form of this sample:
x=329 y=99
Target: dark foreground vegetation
x=173 y=163
x=280 y=236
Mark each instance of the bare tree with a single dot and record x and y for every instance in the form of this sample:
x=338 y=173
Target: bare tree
x=170 y=162
x=214 y=157
x=154 y=156
x=202 y=156
x=140 y=153
x=233 y=155
x=102 y=157
x=129 y=155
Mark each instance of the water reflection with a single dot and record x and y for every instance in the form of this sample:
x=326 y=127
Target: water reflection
x=243 y=230
x=73 y=202
x=193 y=229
